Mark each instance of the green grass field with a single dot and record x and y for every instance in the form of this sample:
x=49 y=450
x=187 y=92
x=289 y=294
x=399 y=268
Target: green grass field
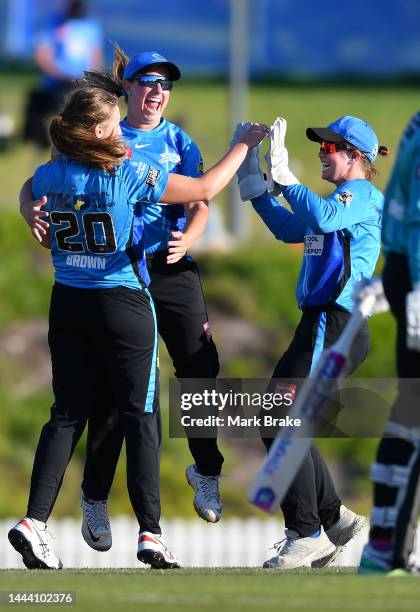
x=220 y=589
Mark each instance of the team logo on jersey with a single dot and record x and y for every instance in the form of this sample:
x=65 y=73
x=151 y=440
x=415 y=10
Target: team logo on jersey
x=169 y=157
x=314 y=244
x=128 y=152
x=78 y=205
x=152 y=176
x=345 y=197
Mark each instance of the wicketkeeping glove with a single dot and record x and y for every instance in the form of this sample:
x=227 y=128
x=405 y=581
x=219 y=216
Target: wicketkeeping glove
x=413 y=320
x=250 y=177
x=279 y=174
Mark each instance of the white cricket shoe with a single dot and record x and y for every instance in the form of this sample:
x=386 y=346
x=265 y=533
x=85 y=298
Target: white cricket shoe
x=348 y=525
x=295 y=551
x=207 y=501
x=96 y=529
x=34 y=544
x=152 y=551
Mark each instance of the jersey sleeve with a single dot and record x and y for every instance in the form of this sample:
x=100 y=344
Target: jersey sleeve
x=145 y=182
x=348 y=205
x=281 y=222
x=192 y=160
x=38 y=189
x=413 y=219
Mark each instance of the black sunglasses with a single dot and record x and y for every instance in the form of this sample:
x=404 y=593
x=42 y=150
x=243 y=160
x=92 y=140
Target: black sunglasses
x=151 y=80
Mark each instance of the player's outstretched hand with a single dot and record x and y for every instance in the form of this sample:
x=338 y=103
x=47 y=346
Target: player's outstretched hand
x=255 y=134
x=413 y=320
x=278 y=172
x=35 y=217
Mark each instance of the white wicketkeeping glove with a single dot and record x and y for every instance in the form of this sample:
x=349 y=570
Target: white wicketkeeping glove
x=279 y=174
x=413 y=320
x=250 y=177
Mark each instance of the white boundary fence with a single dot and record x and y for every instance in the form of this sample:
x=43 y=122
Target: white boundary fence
x=230 y=543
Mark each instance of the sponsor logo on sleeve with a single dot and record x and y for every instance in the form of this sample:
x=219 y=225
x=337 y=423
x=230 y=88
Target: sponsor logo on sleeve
x=152 y=176
x=314 y=244
x=345 y=197
x=200 y=166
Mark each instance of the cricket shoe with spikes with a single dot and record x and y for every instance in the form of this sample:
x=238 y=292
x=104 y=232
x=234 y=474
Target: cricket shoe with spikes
x=207 y=501
x=96 y=529
x=152 y=551
x=348 y=525
x=34 y=544
x=295 y=551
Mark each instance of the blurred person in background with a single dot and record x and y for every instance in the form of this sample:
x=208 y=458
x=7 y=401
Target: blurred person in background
x=341 y=237
x=62 y=53
x=102 y=326
x=396 y=471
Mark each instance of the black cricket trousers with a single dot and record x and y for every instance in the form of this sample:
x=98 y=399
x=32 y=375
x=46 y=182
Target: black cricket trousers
x=312 y=499
x=103 y=342
x=183 y=326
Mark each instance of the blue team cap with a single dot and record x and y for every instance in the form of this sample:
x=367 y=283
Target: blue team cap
x=351 y=130
x=147 y=60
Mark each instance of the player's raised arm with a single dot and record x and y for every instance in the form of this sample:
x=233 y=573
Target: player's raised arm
x=187 y=189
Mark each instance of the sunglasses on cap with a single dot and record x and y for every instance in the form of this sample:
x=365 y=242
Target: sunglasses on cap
x=333 y=147
x=151 y=80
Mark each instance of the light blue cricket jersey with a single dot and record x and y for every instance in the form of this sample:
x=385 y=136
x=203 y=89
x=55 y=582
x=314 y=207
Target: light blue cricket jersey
x=169 y=146
x=401 y=224
x=91 y=221
x=341 y=236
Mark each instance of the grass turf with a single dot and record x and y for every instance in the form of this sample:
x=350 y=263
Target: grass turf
x=220 y=589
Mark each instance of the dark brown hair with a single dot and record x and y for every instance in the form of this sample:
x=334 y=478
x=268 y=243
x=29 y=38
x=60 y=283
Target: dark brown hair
x=72 y=130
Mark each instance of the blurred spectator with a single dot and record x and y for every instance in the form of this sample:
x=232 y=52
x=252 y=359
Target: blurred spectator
x=63 y=52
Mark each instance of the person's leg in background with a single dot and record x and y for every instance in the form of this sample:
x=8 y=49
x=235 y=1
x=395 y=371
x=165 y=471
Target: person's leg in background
x=396 y=471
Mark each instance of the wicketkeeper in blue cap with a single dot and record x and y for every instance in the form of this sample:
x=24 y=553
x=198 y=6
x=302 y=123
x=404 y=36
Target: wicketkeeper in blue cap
x=341 y=237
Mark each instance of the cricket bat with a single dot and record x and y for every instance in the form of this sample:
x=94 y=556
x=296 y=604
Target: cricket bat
x=290 y=447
